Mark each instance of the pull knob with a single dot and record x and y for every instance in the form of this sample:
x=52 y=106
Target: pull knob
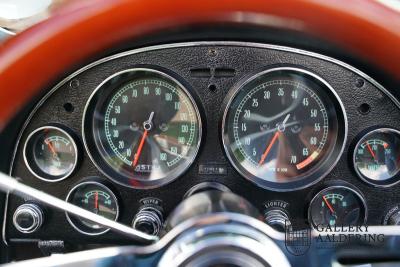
x=394 y=219
x=149 y=220
x=277 y=219
x=28 y=218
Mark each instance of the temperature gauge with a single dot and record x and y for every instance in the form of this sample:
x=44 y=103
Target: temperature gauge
x=94 y=197
x=376 y=157
x=337 y=206
x=51 y=153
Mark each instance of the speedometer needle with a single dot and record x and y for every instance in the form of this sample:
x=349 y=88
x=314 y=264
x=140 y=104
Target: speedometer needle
x=147 y=125
x=371 y=151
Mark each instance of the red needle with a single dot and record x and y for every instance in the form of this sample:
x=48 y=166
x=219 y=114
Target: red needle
x=371 y=151
x=276 y=135
x=139 y=150
x=328 y=204
x=52 y=149
x=96 y=200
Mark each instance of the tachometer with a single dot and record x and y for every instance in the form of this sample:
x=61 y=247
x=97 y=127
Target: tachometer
x=284 y=128
x=142 y=128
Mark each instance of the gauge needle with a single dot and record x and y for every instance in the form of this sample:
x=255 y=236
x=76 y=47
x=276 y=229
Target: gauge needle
x=52 y=149
x=371 y=151
x=329 y=205
x=265 y=154
x=281 y=128
x=147 y=125
x=96 y=201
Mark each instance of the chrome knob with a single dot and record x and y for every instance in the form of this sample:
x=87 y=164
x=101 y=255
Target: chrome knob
x=277 y=219
x=28 y=218
x=149 y=220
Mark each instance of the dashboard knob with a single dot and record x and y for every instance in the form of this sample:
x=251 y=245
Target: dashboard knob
x=148 y=220
x=28 y=218
x=393 y=217
x=277 y=219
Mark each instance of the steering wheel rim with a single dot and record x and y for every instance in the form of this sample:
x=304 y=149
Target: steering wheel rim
x=364 y=27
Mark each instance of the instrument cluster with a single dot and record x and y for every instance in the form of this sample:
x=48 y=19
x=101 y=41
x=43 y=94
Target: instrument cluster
x=293 y=132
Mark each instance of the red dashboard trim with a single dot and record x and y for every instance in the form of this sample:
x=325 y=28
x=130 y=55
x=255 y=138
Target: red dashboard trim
x=80 y=30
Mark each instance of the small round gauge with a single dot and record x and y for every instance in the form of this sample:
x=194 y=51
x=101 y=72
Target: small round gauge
x=377 y=157
x=337 y=206
x=142 y=128
x=51 y=153
x=94 y=197
x=284 y=128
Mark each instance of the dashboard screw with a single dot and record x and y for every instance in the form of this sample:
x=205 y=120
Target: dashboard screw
x=212 y=52
x=74 y=84
x=360 y=83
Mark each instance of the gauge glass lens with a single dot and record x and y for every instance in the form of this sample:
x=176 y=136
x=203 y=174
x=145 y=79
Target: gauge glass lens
x=145 y=126
x=51 y=153
x=281 y=128
x=96 y=198
x=377 y=157
x=337 y=206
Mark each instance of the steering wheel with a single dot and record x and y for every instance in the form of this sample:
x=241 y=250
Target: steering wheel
x=32 y=60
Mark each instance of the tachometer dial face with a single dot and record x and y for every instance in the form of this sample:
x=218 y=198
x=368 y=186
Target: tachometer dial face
x=51 y=153
x=377 y=157
x=94 y=197
x=145 y=128
x=284 y=128
x=337 y=206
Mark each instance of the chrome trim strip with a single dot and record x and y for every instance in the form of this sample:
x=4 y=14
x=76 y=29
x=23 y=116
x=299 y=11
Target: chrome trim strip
x=176 y=45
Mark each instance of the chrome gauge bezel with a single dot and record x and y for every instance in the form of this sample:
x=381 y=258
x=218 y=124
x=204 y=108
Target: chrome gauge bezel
x=329 y=162
x=93 y=152
x=358 y=194
x=395 y=179
x=77 y=228
x=28 y=161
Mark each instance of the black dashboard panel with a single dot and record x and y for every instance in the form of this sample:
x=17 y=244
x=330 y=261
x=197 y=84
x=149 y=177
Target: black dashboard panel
x=208 y=70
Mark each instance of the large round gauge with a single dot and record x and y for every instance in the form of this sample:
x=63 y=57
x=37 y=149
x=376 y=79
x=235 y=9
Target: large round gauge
x=51 y=153
x=142 y=128
x=337 y=206
x=284 y=128
x=94 y=197
x=377 y=157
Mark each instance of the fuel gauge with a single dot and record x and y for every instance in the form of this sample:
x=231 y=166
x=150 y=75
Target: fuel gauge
x=51 y=153
x=377 y=157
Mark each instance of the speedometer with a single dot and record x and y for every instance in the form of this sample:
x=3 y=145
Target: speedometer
x=284 y=128
x=142 y=128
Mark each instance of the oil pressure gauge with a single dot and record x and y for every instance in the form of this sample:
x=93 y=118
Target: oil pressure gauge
x=377 y=157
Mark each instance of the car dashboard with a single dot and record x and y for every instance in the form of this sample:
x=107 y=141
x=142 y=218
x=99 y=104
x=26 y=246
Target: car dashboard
x=307 y=139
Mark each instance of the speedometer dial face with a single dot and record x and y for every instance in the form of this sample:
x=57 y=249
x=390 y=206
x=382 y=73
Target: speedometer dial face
x=284 y=128
x=142 y=128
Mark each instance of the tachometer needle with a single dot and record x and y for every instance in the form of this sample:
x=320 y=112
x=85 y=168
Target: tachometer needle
x=147 y=125
x=328 y=205
x=265 y=154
